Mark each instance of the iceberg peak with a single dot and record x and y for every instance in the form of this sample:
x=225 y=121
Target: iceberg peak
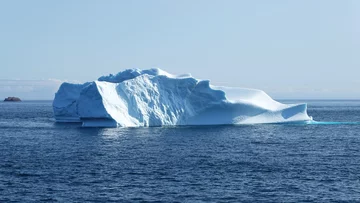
x=133 y=73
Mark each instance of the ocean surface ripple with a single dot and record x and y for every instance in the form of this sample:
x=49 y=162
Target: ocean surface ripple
x=42 y=161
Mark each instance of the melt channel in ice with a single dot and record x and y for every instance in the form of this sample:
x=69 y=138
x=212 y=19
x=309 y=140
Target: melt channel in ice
x=153 y=97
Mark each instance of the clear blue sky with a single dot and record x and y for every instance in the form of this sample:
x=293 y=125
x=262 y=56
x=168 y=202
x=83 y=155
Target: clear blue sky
x=290 y=49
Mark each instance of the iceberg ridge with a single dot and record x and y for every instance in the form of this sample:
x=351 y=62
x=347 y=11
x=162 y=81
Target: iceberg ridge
x=153 y=97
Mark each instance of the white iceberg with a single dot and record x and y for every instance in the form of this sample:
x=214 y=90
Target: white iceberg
x=154 y=97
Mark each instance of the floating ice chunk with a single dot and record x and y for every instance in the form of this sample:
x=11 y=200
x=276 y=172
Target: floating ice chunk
x=154 y=97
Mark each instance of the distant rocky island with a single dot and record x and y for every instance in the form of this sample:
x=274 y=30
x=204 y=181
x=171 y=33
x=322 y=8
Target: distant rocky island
x=12 y=99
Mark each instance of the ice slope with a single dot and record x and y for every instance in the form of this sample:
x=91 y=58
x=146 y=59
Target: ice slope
x=154 y=97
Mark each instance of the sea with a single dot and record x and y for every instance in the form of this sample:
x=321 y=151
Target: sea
x=44 y=161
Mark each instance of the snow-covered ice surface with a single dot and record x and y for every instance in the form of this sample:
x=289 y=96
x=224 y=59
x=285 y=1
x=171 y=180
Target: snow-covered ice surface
x=154 y=97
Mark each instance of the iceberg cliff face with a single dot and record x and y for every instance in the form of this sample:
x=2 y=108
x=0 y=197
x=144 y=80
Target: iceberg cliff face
x=156 y=98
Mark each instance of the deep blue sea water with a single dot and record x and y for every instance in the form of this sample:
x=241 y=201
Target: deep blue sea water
x=41 y=161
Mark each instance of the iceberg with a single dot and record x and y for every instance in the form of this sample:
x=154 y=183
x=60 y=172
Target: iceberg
x=153 y=97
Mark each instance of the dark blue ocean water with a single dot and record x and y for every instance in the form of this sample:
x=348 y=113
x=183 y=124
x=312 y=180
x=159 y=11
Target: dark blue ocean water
x=41 y=161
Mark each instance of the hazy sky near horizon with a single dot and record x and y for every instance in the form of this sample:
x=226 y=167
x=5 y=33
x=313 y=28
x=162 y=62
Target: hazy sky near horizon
x=290 y=49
